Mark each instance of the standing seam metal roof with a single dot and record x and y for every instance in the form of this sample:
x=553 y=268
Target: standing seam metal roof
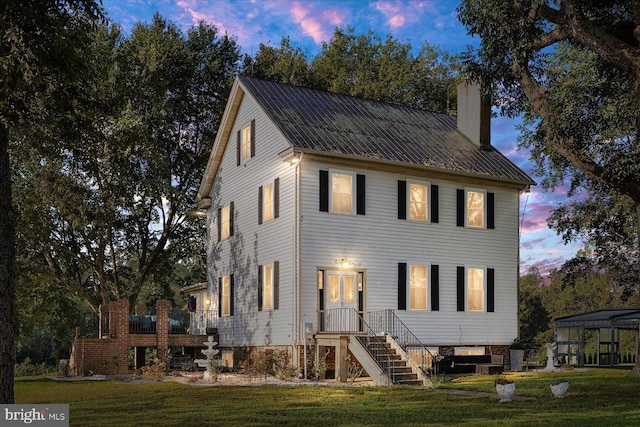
x=339 y=124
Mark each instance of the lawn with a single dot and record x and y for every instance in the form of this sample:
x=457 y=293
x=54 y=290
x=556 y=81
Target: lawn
x=597 y=397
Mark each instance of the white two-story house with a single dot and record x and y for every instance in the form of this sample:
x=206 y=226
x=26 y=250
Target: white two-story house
x=331 y=217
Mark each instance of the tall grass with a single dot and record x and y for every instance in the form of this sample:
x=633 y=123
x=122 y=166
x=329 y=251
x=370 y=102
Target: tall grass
x=597 y=397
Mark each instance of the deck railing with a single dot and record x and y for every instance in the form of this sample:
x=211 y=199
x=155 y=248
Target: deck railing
x=148 y=324
x=387 y=322
x=201 y=320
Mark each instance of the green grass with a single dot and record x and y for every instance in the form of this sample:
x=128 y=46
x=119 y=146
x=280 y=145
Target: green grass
x=597 y=397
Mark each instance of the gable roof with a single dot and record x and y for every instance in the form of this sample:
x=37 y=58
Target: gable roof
x=326 y=123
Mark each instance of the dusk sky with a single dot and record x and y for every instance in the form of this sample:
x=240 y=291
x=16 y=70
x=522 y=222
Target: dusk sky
x=309 y=23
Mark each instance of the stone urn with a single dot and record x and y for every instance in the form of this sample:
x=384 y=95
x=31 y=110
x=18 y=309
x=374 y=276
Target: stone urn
x=505 y=389
x=559 y=389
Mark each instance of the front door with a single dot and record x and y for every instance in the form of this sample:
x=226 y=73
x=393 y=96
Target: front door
x=341 y=302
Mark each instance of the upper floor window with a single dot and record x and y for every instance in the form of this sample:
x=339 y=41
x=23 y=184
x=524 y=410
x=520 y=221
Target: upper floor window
x=225 y=221
x=342 y=192
x=417 y=202
x=419 y=199
x=268 y=201
x=475 y=208
x=246 y=143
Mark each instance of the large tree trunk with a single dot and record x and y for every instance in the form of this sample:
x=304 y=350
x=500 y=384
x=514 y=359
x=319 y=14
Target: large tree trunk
x=7 y=273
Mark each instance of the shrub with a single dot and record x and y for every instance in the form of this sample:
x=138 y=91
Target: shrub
x=155 y=371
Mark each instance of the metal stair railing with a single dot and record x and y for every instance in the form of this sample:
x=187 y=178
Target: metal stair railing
x=349 y=320
x=387 y=322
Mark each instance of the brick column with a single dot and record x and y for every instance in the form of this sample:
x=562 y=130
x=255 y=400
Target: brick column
x=162 y=329
x=121 y=328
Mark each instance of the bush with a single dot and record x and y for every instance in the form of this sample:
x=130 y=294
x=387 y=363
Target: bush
x=155 y=371
x=28 y=368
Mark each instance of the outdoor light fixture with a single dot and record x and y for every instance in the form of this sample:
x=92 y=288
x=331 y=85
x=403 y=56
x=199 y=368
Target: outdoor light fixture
x=346 y=263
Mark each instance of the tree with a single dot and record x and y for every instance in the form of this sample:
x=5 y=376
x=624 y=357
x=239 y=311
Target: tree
x=112 y=200
x=571 y=68
x=365 y=66
x=41 y=47
x=533 y=314
x=285 y=64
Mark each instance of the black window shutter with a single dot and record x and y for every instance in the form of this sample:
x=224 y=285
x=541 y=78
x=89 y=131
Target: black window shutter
x=460 y=288
x=324 y=191
x=321 y=291
x=402 y=199
x=238 y=149
x=435 y=210
x=260 y=284
x=360 y=194
x=460 y=208
x=276 y=285
x=253 y=138
x=402 y=286
x=231 y=292
x=219 y=296
x=491 y=274
x=231 y=219
x=260 y=205
x=490 y=211
x=192 y=304
x=435 y=287
x=276 y=198
x=219 y=224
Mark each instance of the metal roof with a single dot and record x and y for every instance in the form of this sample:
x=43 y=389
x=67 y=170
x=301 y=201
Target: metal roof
x=621 y=318
x=326 y=122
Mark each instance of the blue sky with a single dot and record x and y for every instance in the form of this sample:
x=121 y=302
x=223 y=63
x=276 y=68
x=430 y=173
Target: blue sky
x=309 y=23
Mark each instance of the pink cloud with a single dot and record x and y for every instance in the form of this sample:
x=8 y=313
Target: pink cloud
x=310 y=25
x=398 y=14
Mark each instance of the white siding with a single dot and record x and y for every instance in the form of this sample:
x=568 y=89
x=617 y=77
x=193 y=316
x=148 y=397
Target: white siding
x=253 y=244
x=378 y=241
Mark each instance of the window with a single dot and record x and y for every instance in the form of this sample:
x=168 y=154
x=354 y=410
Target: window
x=475 y=209
x=246 y=143
x=342 y=192
x=225 y=299
x=225 y=222
x=419 y=199
x=418 y=202
x=267 y=287
x=418 y=287
x=268 y=201
x=469 y=351
x=475 y=289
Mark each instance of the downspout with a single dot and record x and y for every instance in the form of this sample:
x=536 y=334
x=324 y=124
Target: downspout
x=296 y=266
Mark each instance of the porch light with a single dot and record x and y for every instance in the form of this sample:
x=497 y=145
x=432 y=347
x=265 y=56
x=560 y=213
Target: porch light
x=346 y=263
x=290 y=156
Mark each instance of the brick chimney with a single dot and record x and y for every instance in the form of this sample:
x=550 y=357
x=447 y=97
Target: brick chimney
x=474 y=114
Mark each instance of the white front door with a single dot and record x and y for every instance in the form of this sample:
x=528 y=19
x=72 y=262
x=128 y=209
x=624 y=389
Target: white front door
x=341 y=295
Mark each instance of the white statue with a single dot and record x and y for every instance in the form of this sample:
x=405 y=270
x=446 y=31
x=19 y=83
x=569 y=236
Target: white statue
x=550 y=359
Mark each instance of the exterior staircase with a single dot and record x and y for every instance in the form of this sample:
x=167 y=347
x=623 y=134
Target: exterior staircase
x=396 y=365
x=384 y=353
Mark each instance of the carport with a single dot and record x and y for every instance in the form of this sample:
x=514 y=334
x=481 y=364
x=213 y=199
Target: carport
x=570 y=334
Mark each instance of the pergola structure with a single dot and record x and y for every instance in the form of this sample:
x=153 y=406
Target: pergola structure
x=570 y=337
